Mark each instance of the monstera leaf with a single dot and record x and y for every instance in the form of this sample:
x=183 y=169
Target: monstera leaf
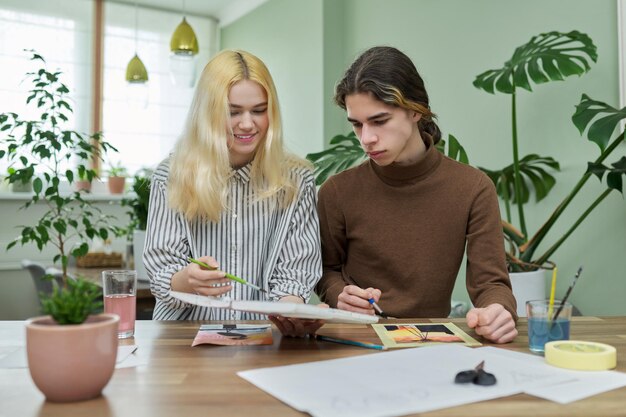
x=546 y=57
x=614 y=175
x=600 y=120
x=606 y=120
x=345 y=152
x=534 y=171
x=454 y=149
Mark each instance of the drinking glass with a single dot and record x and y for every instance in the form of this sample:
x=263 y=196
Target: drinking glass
x=541 y=326
x=120 y=297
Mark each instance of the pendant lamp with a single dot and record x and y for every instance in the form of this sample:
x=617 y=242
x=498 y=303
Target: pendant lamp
x=135 y=70
x=184 y=41
x=136 y=77
x=184 y=47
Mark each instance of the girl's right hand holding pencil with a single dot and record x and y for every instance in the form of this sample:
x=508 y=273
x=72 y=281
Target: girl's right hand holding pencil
x=198 y=280
x=356 y=299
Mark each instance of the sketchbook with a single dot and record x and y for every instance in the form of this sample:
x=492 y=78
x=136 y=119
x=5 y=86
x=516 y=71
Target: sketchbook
x=301 y=311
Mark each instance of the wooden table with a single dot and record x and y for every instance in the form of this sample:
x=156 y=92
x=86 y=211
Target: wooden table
x=201 y=381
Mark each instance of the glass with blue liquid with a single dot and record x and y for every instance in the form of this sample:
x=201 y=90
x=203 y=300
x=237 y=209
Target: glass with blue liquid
x=542 y=328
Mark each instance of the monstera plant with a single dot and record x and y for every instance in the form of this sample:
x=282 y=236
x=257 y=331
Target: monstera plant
x=346 y=151
x=551 y=56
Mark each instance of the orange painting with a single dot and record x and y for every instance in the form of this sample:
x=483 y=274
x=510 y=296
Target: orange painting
x=422 y=333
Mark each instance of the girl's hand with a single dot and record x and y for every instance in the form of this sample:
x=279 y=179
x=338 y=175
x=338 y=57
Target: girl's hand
x=294 y=327
x=198 y=280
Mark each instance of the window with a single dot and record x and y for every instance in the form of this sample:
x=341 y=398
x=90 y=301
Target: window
x=60 y=31
x=145 y=136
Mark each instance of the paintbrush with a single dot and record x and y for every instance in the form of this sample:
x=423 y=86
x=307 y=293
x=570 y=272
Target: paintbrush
x=348 y=280
x=567 y=293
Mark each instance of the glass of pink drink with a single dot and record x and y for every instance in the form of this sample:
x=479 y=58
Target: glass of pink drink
x=120 y=297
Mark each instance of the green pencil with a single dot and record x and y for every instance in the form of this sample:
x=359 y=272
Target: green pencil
x=229 y=276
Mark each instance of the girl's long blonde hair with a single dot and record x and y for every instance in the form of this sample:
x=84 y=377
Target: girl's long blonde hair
x=200 y=167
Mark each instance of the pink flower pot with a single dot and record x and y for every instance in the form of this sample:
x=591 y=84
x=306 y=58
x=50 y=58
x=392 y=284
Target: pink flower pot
x=116 y=184
x=72 y=362
x=83 y=185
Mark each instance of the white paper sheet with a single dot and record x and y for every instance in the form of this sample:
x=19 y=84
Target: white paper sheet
x=583 y=384
x=420 y=380
x=397 y=383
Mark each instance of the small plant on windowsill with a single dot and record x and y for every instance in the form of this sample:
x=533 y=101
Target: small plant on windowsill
x=21 y=183
x=116 y=178
x=85 y=178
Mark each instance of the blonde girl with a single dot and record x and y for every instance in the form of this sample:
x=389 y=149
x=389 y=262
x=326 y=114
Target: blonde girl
x=231 y=196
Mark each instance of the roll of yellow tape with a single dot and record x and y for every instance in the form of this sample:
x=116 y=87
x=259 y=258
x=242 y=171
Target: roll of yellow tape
x=581 y=355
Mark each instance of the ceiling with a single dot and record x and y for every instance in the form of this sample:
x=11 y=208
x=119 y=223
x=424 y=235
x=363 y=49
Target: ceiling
x=224 y=11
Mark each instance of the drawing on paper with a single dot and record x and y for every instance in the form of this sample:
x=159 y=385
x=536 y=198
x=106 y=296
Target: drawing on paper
x=421 y=334
x=234 y=334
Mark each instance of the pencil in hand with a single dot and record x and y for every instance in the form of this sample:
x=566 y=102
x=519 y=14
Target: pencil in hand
x=229 y=276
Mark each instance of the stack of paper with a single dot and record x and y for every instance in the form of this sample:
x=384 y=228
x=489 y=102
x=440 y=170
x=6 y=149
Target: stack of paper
x=420 y=380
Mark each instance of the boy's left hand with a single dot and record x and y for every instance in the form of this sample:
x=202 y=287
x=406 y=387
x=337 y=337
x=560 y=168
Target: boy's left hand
x=493 y=322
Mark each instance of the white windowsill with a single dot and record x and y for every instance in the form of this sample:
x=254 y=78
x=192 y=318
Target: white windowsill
x=13 y=196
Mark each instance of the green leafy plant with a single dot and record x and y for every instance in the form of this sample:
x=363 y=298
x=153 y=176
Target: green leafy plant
x=551 y=56
x=74 y=303
x=21 y=182
x=39 y=150
x=117 y=170
x=138 y=204
x=345 y=151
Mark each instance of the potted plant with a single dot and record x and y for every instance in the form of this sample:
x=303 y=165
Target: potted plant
x=549 y=57
x=138 y=204
x=85 y=177
x=116 y=178
x=20 y=183
x=71 y=350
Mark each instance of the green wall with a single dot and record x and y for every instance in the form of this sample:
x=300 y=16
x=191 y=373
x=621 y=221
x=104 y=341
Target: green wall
x=287 y=36
x=452 y=41
x=335 y=62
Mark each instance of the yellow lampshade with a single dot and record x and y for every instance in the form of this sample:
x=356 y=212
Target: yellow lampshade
x=184 y=41
x=136 y=71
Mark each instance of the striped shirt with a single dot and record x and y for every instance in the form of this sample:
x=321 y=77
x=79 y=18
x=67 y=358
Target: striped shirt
x=276 y=249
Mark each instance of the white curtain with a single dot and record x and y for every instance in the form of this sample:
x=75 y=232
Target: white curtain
x=60 y=31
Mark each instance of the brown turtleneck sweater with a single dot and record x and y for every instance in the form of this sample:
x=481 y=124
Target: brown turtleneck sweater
x=404 y=229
